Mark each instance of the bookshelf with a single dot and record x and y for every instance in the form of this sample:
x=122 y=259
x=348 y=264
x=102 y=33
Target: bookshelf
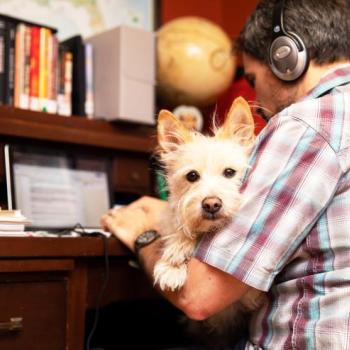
x=26 y=124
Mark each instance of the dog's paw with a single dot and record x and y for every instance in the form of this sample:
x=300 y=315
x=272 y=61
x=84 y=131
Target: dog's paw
x=169 y=277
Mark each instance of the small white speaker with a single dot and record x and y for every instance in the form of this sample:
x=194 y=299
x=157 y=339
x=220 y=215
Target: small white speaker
x=124 y=74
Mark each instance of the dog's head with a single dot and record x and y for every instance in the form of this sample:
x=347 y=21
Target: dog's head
x=204 y=172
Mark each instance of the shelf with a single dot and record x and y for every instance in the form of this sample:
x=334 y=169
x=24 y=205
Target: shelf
x=38 y=247
x=21 y=123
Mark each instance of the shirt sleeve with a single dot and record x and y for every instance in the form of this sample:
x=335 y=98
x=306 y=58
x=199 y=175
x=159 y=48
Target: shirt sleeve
x=293 y=174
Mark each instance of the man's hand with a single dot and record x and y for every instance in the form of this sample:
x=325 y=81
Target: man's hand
x=129 y=222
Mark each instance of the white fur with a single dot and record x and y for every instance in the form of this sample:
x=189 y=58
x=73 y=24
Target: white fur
x=184 y=223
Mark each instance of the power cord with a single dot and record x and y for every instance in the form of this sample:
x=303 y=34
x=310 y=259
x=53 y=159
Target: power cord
x=80 y=229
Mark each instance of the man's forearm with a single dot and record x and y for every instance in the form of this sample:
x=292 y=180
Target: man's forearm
x=148 y=257
x=207 y=290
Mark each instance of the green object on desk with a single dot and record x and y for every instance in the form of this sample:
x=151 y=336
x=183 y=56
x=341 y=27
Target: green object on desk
x=161 y=185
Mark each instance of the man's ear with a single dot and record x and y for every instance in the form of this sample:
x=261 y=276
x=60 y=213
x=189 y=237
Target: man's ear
x=239 y=123
x=171 y=132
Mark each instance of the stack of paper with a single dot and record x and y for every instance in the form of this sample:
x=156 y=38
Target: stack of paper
x=12 y=222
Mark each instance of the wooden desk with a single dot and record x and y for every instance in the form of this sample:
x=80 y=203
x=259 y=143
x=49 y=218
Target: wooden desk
x=51 y=282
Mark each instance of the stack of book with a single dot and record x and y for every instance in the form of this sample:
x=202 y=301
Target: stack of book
x=39 y=73
x=12 y=222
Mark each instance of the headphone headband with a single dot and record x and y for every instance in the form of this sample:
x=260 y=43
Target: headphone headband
x=288 y=56
x=277 y=19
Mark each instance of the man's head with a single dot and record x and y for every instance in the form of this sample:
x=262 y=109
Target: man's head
x=324 y=28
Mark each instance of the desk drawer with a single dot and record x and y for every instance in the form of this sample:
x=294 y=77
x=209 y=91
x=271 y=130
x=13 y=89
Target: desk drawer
x=35 y=292
x=41 y=307
x=131 y=174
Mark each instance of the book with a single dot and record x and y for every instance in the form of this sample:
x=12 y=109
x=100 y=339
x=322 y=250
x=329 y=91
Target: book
x=2 y=60
x=43 y=74
x=10 y=35
x=53 y=68
x=52 y=75
x=34 y=69
x=65 y=72
x=89 y=74
x=77 y=47
x=7 y=212
x=9 y=226
x=24 y=99
x=14 y=234
x=19 y=64
x=14 y=215
x=12 y=220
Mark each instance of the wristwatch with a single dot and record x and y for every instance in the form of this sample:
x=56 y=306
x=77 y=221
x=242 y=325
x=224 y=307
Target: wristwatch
x=145 y=239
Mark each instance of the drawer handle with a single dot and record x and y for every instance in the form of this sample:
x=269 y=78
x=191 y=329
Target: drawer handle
x=15 y=325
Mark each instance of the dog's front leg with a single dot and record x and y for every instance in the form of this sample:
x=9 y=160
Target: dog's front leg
x=170 y=272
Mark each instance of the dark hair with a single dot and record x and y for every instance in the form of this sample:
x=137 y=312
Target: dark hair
x=323 y=25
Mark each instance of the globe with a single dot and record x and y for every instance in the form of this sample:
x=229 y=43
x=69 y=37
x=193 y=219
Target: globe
x=195 y=63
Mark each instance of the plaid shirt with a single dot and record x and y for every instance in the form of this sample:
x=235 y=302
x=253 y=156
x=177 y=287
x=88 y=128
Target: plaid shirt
x=292 y=235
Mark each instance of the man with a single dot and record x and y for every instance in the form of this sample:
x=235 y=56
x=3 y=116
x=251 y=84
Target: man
x=292 y=235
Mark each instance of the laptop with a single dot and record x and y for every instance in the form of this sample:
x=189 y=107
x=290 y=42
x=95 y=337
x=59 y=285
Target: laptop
x=57 y=189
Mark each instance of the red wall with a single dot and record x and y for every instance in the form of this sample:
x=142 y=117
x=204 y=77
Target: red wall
x=229 y=14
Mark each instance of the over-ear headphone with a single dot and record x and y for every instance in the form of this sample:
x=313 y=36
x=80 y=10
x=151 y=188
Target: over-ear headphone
x=288 y=56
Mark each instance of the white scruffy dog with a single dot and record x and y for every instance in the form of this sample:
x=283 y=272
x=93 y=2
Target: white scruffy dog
x=203 y=176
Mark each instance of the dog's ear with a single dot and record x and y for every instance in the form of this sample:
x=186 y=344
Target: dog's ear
x=239 y=123
x=171 y=132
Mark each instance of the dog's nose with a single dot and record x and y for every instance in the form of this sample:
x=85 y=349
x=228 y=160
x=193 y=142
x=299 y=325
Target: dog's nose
x=211 y=205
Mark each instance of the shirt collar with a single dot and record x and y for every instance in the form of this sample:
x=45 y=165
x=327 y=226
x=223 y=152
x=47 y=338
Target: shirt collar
x=333 y=78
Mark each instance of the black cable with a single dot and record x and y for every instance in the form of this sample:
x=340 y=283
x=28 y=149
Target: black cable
x=102 y=291
x=78 y=228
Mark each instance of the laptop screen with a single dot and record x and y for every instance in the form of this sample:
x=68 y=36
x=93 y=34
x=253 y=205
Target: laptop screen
x=57 y=190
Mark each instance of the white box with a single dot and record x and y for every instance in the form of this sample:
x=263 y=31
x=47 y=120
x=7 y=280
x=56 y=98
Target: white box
x=124 y=74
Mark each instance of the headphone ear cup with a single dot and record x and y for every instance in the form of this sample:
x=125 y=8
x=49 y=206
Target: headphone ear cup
x=288 y=57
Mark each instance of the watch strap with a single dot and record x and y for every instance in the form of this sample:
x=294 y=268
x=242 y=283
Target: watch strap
x=145 y=239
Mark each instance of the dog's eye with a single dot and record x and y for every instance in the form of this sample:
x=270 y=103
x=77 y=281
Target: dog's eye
x=192 y=176
x=228 y=172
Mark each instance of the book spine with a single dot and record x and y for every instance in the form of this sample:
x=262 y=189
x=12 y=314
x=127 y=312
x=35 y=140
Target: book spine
x=24 y=97
x=68 y=82
x=89 y=99
x=64 y=98
x=60 y=80
x=52 y=67
x=19 y=63
x=10 y=62
x=34 y=69
x=42 y=67
x=2 y=60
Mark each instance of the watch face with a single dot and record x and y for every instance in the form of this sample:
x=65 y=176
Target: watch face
x=146 y=238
